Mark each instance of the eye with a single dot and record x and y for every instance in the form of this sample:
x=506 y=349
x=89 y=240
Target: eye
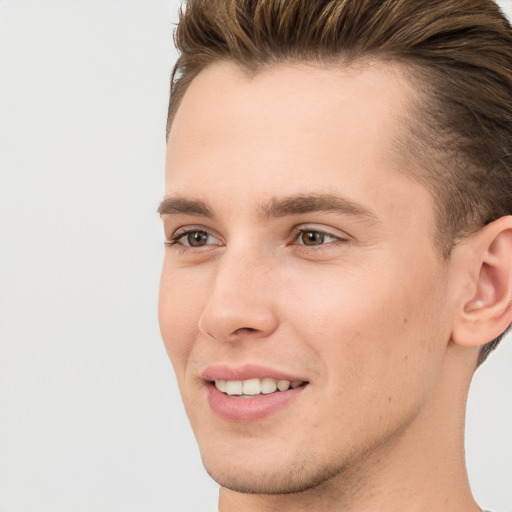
x=193 y=238
x=312 y=237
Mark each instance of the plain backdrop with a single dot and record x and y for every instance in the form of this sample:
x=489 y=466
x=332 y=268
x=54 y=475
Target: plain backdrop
x=90 y=416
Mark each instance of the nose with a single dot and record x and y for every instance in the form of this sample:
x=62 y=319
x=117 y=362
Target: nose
x=242 y=303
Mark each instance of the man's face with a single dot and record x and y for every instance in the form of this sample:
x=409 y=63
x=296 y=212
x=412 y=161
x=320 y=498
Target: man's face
x=300 y=252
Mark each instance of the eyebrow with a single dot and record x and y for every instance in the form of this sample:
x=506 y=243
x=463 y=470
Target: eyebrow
x=177 y=204
x=277 y=206
x=311 y=203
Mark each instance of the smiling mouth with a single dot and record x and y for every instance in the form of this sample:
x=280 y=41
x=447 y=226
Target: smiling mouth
x=254 y=387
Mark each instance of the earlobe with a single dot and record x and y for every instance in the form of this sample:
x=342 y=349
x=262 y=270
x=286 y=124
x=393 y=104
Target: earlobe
x=487 y=311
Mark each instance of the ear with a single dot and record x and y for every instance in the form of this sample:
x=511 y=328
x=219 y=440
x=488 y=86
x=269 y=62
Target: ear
x=486 y=309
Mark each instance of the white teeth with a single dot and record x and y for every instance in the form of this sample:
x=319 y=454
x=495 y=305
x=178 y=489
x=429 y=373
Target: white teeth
x=252 y=387
x=221 y=385
x=234 y=387
x=268 y=386
x=283 y=385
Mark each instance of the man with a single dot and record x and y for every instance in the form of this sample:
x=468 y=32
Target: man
x=339 y=240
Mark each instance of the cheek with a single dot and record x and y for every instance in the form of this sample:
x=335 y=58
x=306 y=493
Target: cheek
x=379 y=364
x=374 y=327
x=179 y=307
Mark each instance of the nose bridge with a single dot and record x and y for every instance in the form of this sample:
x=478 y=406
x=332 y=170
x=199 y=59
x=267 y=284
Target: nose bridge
x=241 y=300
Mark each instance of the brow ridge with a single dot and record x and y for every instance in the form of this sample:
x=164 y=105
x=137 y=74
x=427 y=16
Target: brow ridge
x=276 y=207
x=182 y=205
x=310 y=203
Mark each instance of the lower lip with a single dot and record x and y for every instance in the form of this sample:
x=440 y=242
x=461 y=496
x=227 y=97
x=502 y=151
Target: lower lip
x=246 y=410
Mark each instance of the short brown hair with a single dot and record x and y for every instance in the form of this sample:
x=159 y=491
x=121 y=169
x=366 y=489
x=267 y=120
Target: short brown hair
x=458 y=54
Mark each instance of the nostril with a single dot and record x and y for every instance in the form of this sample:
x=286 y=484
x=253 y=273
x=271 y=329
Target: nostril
x=245 y=330
x=237 y=334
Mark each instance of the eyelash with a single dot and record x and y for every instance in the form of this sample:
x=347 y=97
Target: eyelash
x=298 y=232
x=175 y=240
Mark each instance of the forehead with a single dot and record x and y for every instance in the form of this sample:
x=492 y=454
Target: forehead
x=376 y=90
x=288 y=129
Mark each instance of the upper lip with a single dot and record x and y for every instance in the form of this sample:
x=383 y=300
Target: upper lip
x=246 y=372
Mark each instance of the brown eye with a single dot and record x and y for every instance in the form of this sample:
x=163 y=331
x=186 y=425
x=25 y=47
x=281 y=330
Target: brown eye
x=193 y=238
x=196 y=238
x=311 y=238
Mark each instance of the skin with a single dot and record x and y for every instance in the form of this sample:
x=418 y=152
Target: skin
x=366 y=316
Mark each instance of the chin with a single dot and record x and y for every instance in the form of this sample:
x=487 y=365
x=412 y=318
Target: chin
x=283 y=478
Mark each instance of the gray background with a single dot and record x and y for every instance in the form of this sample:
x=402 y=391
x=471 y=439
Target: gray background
x=90 y=417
